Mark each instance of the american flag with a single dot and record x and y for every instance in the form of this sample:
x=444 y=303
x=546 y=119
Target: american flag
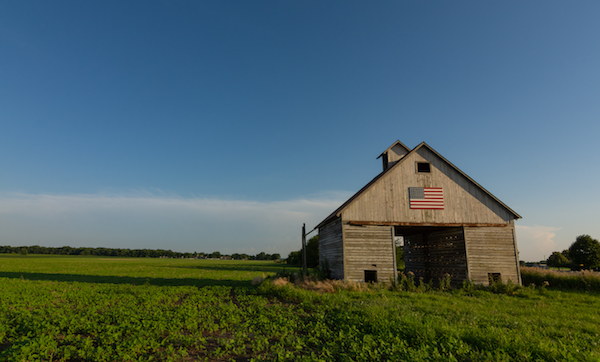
x=426 y=197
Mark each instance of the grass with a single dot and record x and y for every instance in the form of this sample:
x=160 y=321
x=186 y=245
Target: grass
x=575 y=280
x=111 y=309
x=136 y=271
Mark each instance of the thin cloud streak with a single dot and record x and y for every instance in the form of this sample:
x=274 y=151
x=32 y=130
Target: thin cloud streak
x=146 y=220
x=165 y=222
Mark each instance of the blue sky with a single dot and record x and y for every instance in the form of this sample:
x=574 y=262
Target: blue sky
x=204 y=126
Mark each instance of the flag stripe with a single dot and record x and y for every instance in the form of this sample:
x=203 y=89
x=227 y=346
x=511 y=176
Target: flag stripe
x=424 y=198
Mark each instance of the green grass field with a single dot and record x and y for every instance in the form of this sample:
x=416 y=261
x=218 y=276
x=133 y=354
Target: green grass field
x=112 y=309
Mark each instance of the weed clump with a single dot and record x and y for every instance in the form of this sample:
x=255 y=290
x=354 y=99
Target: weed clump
x=444 y=283
x=404 y=283
x=468 y=286
x=314 y=283
x=508 y=288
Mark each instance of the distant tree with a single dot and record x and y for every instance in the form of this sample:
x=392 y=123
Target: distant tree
x=215 y=255
x=312 y=252
x=557 y=260
x=294 y=258
x=23 y=251
x=67 y=250
x=275 y=256
x=585 y=252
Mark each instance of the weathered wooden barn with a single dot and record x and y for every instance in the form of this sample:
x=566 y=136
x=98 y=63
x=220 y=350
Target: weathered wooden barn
x=446 y=222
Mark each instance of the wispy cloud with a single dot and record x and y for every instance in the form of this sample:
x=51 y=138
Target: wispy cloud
x=168 y=222
x=536 y=242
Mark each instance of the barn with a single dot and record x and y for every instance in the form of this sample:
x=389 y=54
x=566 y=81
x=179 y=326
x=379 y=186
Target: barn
x=446 y=222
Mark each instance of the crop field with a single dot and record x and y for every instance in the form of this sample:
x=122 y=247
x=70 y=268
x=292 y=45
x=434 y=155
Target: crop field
x=116 y=309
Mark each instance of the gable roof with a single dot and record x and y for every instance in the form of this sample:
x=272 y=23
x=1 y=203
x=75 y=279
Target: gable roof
x=338 y=211
x=394 y=144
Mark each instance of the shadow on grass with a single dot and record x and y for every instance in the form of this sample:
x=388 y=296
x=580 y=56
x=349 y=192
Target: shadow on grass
x=109 y=279
x=267 y=267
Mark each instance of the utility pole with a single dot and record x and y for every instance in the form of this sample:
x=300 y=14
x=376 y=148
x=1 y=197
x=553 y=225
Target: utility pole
x=304 y=249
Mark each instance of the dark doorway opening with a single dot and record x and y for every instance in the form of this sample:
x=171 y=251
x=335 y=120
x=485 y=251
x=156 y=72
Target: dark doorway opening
x=370 y=276
x=432 y=252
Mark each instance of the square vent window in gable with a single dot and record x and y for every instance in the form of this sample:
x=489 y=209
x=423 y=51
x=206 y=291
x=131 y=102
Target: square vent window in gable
x=423 y=167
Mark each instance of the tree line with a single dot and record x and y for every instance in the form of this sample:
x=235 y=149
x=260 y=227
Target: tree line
x=584 y=253
x=312 y=254
x=135 y=253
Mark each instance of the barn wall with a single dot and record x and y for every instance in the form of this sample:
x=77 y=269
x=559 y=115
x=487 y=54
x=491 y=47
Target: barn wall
x=368 y=248
x=435 y=253
x=492 y=250
x=386 y=200
x=331 y=251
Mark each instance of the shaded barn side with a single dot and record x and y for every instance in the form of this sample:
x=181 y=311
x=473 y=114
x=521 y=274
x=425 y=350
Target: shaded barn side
x=331 y=249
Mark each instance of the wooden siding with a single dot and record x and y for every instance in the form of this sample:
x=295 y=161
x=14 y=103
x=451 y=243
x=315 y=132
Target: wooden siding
x=331 y=251
x=492 y=250
x=435 y=253
x=368 y=248
x=387 y=199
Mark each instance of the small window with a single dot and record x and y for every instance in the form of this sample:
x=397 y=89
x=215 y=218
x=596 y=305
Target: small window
x=423 y=167
x=370 y=276
x=494 y=278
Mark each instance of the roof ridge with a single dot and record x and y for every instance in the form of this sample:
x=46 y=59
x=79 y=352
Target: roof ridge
x=414 y=150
